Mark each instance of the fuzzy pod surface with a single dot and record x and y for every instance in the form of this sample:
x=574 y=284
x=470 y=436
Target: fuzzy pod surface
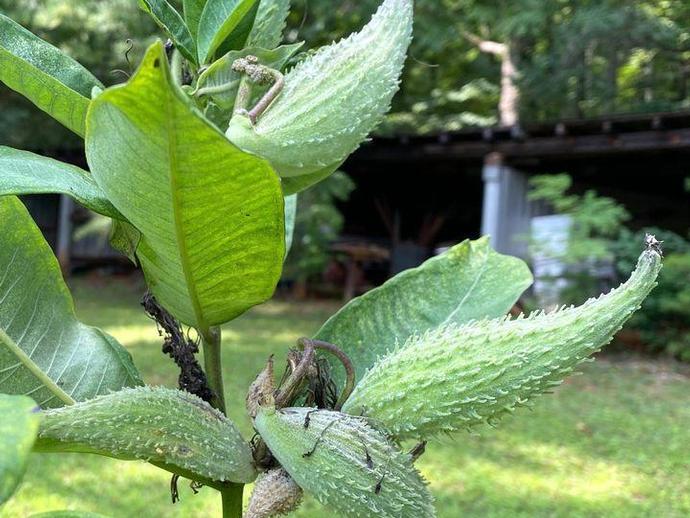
x=454 y=377
x=332 y=100
x=275 y=494
x=158 y=425
x=345 y=463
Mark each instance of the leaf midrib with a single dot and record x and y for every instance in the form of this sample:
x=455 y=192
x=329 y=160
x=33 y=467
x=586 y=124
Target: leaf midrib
x=179 y=233
x=27 y=362
x=41 y=72
x=470 y=290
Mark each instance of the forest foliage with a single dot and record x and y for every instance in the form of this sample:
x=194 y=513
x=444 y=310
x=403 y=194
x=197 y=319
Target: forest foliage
x=574 y=58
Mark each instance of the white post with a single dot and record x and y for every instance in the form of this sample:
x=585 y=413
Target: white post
x=505 y=214
x=492 y=175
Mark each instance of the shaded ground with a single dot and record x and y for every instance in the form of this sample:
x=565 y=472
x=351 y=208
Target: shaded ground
x=613 y=442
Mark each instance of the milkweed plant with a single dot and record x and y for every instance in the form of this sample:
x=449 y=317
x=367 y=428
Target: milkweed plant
x=197 y=159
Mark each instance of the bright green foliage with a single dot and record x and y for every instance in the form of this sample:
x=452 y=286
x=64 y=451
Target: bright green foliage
x=218 y=21
x=22 y=172
x=356 y=78
x=174 y=26
x=45 y=352
x=664 y=325
x=192 y=15
x=576 y=58
x=328 y=459
x=168 y=427
x=596 y=220
x=465 y=375
x=211 y=216
x=54 y=82
x=220 y=82
x=269 y=24
x=210 y=224
x=471 y=281
x=18 y=429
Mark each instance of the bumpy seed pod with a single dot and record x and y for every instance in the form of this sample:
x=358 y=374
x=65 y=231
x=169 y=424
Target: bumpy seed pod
x=344 y=463
x=455 y=377
x=332 y=100
x=159 y=425
x=275 y=494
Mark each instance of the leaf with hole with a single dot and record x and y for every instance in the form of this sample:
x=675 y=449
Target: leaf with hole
x=210 y=216
x=18 y=429
x=45 y=352
x=54 y=82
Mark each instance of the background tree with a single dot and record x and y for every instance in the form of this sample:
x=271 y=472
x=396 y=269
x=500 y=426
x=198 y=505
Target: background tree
x=565 y=58
x=95 y=33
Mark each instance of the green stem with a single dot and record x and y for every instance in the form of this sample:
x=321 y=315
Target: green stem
x=231 y=494
x=213 y=367
x=232 y=500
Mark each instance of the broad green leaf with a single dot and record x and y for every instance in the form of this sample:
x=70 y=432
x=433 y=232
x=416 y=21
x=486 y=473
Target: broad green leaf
x=45 y=352
x=192 y=14
x=218 y=20
x=469 y=282
x=455 y=377
x=22 y=172
x=237 y=40
x=54 y=82
x=211 y=216
x=174 y=26
x=332 y=100
x=269 y=24
x=170 y=428
x=18 y=429
x=290 y=215
x=220 y=82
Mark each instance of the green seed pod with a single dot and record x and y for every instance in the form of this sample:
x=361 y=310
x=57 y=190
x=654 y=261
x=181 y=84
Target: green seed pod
x=275 y=494
x=332 y=100
x=162 y=426
x=458 y=376
x=344 y=463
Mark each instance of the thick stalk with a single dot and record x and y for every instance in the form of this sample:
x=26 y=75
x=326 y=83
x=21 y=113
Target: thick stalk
x=213 y=367
x=232 y=500
x=231 y=494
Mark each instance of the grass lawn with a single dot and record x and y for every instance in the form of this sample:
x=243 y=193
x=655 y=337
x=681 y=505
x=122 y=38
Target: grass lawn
x=612 y=442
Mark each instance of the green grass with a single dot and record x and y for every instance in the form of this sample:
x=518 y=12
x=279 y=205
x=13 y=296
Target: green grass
x=612 y=442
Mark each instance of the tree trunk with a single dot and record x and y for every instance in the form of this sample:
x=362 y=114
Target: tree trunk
x=509 y=104
x=510 y=94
